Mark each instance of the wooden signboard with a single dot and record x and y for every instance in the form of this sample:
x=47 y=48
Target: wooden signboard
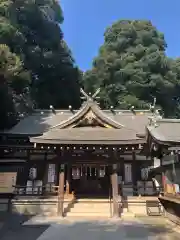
x=7 y=181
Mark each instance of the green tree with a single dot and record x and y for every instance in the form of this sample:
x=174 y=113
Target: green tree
x=12 y=87
x=132 y=68
x=31 y=28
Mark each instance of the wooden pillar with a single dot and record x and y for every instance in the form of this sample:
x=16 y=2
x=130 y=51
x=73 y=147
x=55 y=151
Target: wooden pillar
x=134 y=173
x=68 y=179
x=60 y=209
x=114 y=182
x=163 y=178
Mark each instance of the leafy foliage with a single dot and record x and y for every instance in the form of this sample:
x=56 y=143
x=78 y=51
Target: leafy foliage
x=12 y=85
x=47 y=75
x=132 y=68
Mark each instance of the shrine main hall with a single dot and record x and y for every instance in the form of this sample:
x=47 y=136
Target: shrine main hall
x=87 y=153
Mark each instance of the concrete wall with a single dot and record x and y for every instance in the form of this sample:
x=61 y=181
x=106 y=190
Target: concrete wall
x=142 y=206
x=47 y=207
x=36 y=207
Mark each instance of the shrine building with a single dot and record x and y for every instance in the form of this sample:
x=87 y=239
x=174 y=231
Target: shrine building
x=87 y=153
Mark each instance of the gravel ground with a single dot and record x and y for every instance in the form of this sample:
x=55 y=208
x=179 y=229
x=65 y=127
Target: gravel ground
x=87 y=229
x=11 y=228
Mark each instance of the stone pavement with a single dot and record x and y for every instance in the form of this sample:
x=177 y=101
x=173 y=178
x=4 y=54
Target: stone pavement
x=41 y=228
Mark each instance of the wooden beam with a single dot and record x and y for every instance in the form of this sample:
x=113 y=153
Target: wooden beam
x=60 y=210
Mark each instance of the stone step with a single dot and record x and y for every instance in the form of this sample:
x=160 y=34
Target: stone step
x=91 y=210
x=92 y=205
x=127 y=214
x=125 y=210
x=94 y=200
x=87 y=214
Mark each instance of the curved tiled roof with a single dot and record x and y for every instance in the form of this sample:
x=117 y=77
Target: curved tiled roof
x=42 y=121
x=89 y=135
x=166 y=131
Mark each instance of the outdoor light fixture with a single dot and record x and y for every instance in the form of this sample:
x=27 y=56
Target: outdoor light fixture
x=112 y=109
x=52 y=108
x=144 y=174
x=132 y=110
x=70 y=108
x=32 y=173
x=102 y=171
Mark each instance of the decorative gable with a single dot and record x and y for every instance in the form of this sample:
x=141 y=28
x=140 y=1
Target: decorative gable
x=90 y=114
x=90 y=119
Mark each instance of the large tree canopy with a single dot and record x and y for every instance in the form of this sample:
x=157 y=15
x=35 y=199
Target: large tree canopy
x=132 y=68
x=13 y=83
x=31 y=30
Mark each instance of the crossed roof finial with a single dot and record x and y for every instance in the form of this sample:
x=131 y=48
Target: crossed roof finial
x=90 y=96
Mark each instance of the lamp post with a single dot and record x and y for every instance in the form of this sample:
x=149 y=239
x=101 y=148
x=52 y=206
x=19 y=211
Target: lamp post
x=32 y=176
x=144 y=176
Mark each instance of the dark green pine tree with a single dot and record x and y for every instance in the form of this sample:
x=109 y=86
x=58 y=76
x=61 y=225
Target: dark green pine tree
x=132 y=68
x=34 y=34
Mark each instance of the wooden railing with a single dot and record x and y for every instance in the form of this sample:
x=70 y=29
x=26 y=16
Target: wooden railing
x=51 y=189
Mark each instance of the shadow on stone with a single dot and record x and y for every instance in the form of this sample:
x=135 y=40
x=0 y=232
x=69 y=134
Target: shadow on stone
x=12 y=227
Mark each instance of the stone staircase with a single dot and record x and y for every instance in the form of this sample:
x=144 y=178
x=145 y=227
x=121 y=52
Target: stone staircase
x=90 y=208
x=126 y=213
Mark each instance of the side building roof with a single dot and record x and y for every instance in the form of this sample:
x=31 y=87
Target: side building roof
x=165 y=131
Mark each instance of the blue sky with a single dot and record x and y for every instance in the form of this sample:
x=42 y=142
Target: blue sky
x=86 y=21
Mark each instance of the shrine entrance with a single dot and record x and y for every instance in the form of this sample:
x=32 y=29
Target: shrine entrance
x=91 y=180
